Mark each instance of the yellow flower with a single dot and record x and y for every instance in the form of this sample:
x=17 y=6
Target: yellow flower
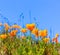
x=35 y=32
x=3 y=36
x=6 y=26
x=24 y=30
x=43 y=33
x=46 y=40
x=57 y=35
x=15 y=26
x=30 y=26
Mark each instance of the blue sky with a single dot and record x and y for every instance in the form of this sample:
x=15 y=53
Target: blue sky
x=47 y=12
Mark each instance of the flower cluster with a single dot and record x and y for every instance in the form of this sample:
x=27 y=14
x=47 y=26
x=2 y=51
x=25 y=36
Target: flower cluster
x=23 y=44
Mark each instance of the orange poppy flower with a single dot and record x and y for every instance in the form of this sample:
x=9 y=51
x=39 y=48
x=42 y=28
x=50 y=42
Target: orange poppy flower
x=6 y=26
x=13 y=33
x=43 y=33
x=15 y=26
x=55 y=40
x=30 y=26
x=24 y=30
x=35 y=32
x=3 y=36
x=46 y=40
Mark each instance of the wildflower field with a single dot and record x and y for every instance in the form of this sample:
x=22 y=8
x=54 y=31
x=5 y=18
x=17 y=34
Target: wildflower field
x=15 y=40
